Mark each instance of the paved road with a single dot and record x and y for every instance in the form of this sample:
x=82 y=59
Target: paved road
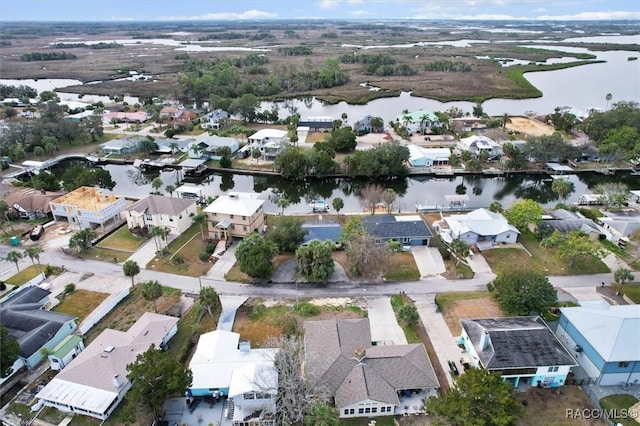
x=428 y=285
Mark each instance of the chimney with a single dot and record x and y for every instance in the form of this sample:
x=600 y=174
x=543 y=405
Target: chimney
x=485 y=340
x=360 y=354
x=116 y=381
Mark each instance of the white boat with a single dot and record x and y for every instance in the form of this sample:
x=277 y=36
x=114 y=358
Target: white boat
x=319 y=206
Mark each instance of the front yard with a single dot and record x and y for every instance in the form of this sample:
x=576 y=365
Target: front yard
x=122 y=240
x=501 y=259
x=80 y=303
x=631 y=290
x=554 y=407
x=467 y=305
x=183 y=255
x=25 y=275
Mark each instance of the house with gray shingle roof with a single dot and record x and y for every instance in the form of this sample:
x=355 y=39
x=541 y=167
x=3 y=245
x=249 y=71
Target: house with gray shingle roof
x=156 y=210
x=522 y=349
x=364 y=380
x=408 y=230
x=22 y=313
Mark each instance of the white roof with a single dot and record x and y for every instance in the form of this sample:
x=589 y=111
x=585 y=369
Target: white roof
x=416 y=152
x=612 y=330
x=189 y=189
x=241 y=203
x=482 y=142
x=254 y=377
x=480 y=222
x=217 y=357
x=268 y=134
x=88 y=381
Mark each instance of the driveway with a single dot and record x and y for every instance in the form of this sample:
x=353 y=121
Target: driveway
x=230 y=305
x=287 y=271
x=429 y=261
x=478 y=264
x=444 y=343
x=384 y=326
x=223 y=264
x=147 y=251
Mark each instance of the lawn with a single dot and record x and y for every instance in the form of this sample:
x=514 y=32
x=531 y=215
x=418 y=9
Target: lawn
x=25 y=275
x=379 y=421
x=105 y=254
x=402 y=267
x=501 y=259
x=410 y=331
x=187 y=247
x=456 y=306
x=617 y=403
x=192 y=324
x=130 y=309
x=237 y=276
x=550 y=407
x=122 y=240
x=81 y=303
x=631 y=290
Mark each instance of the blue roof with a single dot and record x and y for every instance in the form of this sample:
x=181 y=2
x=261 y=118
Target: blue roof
x=321 y=231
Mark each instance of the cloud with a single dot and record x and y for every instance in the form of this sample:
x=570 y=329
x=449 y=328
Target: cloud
x=329 y=4
x=359 y=13
x=355 y=1
x=591 y=16
x=224 y=16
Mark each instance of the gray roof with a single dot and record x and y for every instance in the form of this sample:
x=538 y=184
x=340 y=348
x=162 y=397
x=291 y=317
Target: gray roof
x=24 y=319
x=377 y=373
x=516 y=342
x=321 y=231
x=157 y=204
x=388 y=227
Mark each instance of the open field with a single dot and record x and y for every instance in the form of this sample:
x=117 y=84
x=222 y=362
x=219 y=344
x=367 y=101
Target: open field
x=529 y=126
x=467 y=305
x=618 y=403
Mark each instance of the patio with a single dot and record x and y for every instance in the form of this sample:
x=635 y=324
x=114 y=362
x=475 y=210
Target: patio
x=177 y=413
x=414 y=403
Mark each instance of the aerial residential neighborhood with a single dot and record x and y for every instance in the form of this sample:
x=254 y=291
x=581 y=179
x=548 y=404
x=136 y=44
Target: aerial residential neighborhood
x=253 y=218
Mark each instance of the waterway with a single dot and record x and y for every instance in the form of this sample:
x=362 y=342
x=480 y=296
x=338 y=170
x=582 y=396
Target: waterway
x=482 y=190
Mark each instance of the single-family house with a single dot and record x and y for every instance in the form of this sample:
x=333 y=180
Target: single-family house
x=171 y=146
x=125 y=117
x=120 y=146
x=269 y=141
x=419 y=121
x=235 y=215
x=66 y=351
x=170 y=112
x=30 y=204
x=214 y=119
x=24 y=316
x=317 y=123
x=565 y=221
x=364 y=380
x=363 y=125
x=428 y=157
x=408 y=230
x=206 y=146
x=468 y=124
x=157 y=210
x=95 y=382
x=224 y=366
x=86 y=206
x=604 y=339
x=620 y=224
x=477 y=144
x=481 y=227
x=325 y=230
x=522 y=349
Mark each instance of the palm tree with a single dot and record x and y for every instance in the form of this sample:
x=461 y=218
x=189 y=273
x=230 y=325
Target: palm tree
x=337 y=204
x=200 y=219
x=155 y=232
x=174 y=146
x=621 y=276
x=170 y=188
x=147 y=145
x=283 y=203
x=156 y=184
x=423 y=119
x=608 y=99
x=130 y=269
x=505 y=119
x=377 y=124
x=406 y=120
x=14 y=256
x=321 y=414
x=209 y=299
x=33 y=253
x=562 y=187
x=164 y=232
x=151 y=290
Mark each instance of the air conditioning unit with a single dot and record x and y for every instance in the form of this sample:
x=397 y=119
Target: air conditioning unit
x=579 y=349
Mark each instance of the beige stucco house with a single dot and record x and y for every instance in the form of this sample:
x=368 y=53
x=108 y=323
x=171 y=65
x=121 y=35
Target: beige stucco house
x=156 y=210
x=235 y=215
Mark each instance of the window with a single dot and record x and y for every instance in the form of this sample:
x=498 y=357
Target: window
x=352 y=411
x=244 y=228
x=244 y=218
x=623 y=364
x=148 y=216
x=406 y=240
x=367 y=410
x=170 y=218
x=360 y=410
x=346 y=411
x=230 y=216
x=374 y=410
x=552 y=369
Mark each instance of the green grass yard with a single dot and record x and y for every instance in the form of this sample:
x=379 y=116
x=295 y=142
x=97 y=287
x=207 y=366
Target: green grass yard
x=25 y=275
x=122 y=240
x=618 y=403
x=81 y=303
x=187 y=246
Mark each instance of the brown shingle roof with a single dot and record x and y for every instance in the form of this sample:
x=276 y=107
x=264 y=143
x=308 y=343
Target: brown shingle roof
x=33 y=201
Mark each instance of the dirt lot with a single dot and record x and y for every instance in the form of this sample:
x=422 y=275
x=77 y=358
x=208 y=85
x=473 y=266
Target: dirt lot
x=529 y=126
x=548 y=407
x=483 y=307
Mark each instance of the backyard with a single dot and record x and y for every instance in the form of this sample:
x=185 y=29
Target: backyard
x=620 y=404
x=80 y=303
x=183 y=255
x=550 y=263
x=551 y=407
x=466 y=305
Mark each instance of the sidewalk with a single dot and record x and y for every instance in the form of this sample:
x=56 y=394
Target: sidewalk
x=444 y=343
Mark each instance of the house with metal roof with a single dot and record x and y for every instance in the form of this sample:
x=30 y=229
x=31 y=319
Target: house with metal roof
x=476 y=144
x=565 y=221
x=481 y=227
x=65 y=352
x=605 y=340
x=120 y=146
x=224 y=366
x=522 y=349
x=420 y=120
x=428 y=157
x=22 y=313
x=157 y=210
x=408 y=229
x=95 y=382
x=235 y=215
x=364 y=380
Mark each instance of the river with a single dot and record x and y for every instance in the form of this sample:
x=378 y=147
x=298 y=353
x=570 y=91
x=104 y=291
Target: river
x=482 y=190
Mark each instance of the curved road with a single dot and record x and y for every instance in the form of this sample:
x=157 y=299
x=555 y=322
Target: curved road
x=430 y=285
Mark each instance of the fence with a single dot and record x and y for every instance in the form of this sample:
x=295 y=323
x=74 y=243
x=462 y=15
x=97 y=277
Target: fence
x=102 y=310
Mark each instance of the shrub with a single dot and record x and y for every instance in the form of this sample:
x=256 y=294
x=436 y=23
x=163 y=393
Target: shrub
x=177 y=259
x=3 y=286
x=307 y=310
x=258 y=312
x=69 y=288
x=210 y=248
x=203 y=256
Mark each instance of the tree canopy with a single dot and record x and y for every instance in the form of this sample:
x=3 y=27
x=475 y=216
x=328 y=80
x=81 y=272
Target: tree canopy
x=478 y=398
x=9 y=353
x=255 y=256
x=315 y=261
x=82 y=239
x=522 y=213
x=286 y=233
x=209 y=299
x=520 y=292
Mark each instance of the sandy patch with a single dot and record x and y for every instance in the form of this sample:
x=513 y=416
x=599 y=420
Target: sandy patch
x=530 y=126
x=338 y=301
x=484 y=307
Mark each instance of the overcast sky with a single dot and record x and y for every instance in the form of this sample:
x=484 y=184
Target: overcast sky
x=158 y=10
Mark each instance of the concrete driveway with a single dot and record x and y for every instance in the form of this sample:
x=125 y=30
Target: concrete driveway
x=230 y=305
x=384 y=326
x=429 y=261
x=223 y=264
x=286 y=273
x=478 y=264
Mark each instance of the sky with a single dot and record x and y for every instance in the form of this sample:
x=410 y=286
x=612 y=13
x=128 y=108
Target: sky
x=193 y=10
